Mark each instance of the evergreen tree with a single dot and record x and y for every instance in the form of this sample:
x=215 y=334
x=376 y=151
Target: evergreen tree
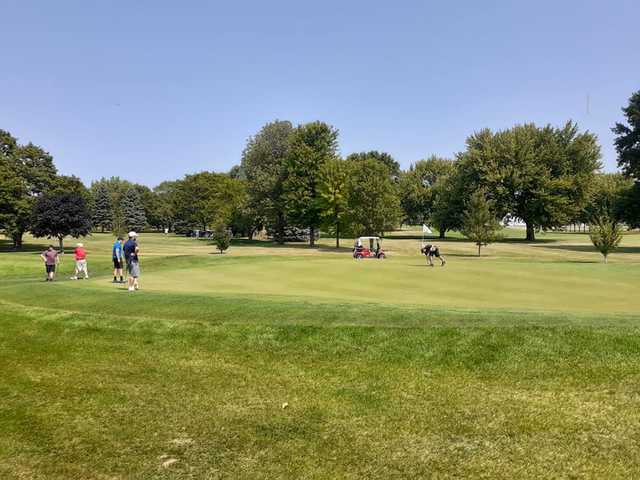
x=628 y=139
x=133 y=210
x=480 y=224
x=627 y=144
x=103 y=210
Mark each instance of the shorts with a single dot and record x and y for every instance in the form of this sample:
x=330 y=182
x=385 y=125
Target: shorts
x=117 y=263
x=434 y=254
x=134 y=269
x=50 y=268
x=81 y=266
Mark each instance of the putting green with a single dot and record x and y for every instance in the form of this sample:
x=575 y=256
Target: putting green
x=290 y=362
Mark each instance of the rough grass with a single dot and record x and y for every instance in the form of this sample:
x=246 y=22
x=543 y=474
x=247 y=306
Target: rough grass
x=98 y=383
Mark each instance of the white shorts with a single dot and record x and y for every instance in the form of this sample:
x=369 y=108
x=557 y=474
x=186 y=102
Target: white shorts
x=81 y=266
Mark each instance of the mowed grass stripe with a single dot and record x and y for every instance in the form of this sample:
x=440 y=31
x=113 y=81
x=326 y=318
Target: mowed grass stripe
x=363 y=402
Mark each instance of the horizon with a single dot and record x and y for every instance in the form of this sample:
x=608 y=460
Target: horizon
x=154 y=92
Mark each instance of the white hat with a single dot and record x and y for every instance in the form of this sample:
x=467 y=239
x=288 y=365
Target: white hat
x=132 y=234
x=79 y=245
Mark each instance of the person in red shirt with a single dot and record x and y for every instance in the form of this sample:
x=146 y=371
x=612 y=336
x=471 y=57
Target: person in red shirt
x=80 y=255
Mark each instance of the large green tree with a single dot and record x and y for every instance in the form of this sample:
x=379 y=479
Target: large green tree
x=448 y=202
x=28 y=171
x=312 y=145
x=264 y=166
x=333 y=196
x=417 y=192
x=541 y=175
x=372 y=197
x=58 y=214
x=608 y=198
x=206 y=199
x=383 y=157
x=165 y=212
x=14 y=200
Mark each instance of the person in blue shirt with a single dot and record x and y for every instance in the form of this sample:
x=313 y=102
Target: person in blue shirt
x=117 y=255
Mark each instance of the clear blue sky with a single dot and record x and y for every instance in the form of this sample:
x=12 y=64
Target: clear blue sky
x=151 y=90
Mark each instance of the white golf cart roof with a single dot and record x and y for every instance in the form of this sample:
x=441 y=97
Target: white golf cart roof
x=368 y=238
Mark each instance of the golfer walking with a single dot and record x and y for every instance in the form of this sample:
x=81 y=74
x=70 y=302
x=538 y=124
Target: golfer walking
x=131 y=251
x=50 y=258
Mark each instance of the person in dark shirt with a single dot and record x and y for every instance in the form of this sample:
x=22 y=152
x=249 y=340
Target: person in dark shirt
x=50 y=258
x=131 y=257
x=431 y=251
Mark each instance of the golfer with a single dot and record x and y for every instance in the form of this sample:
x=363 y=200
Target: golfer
x=80 y=255
x=131 y=251
x=118 y=260
x=431 y=251
x=50 y=258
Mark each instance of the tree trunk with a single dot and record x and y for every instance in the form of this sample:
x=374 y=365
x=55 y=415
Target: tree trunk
x=312 y=236
x=337 y=235
x=479 y=247
x=61 y=244
x=17 y=240
x=531 y=232
x=279 y=230
x=441 y=233
x=605 y=259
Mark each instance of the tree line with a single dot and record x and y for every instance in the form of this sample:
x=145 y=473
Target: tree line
x=292 y=182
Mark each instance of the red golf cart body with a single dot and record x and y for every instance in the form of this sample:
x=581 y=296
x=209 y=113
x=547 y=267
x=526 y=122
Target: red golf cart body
x=368 y=247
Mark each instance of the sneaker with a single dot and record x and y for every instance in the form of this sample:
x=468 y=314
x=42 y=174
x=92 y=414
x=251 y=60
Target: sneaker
x=73 y=278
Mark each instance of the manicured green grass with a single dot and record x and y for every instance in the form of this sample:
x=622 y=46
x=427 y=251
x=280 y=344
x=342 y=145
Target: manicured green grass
x=520 y=364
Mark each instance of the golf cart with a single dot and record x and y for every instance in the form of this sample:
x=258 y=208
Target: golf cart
x=368 y=247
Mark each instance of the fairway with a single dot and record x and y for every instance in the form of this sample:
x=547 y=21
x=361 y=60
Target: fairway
x=288 y=362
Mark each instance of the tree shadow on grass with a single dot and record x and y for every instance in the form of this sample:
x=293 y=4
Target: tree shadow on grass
x=243 y=242
x=590 y=248
x=6 y=246
x=435 y=239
